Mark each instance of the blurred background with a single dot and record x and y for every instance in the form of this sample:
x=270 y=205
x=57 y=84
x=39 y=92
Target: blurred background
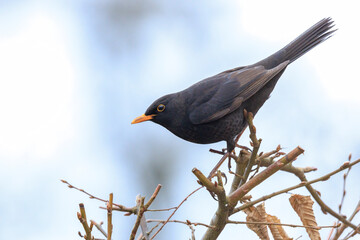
x=74 y=74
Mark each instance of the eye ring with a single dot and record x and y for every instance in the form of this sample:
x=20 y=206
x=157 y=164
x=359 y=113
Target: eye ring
x=160 y=108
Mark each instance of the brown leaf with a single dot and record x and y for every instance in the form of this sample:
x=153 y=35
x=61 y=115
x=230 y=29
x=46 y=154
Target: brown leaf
x=303 y=207
x=257 y=214
x=277 y=231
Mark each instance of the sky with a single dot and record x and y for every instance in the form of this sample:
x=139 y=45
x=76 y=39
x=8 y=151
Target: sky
x=75 y=74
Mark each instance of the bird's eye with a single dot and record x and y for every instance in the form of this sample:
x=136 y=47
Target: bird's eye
x=160 y=108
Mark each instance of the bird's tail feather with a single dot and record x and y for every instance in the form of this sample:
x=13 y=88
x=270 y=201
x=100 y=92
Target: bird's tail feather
x=302 y=44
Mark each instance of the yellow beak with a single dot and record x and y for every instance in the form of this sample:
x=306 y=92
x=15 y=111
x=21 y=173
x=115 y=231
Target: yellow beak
x=143 y=118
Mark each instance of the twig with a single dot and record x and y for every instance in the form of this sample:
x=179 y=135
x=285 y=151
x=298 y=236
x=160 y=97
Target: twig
x=144 y=228
x=268 y=154
x=98 y=226
x=259 y=178
x=187 y=222
x=152 y=229
x=161 y=210
x=331 y=231
x=153 y=196
x=206 y=181
x=109 y=216
x=118 y=207
x=302 y=184
x=282 y=224
x=216 y=151
x=82 y=218
x=344 y=226
x=344 y=190
x=192 y=232
x=350 y=234
x=265 y=162
x=239 y=171
x=83 y=191
x=222 y=153
x=172 y=214
x=324 y=207
x=255 y=143
x=221 y=212
x=140 y=204
x=221 y=216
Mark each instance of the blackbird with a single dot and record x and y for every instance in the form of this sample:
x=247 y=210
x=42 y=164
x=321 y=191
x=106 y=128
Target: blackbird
x=212 y=110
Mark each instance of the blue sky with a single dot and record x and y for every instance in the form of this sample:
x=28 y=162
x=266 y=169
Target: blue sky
x=74 y=74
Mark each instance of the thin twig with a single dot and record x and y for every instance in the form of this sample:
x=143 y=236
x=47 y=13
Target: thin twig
x=140 y=204
x=99 y=227
x=82 y=218
x=167 y=220
x=324 y=207
x=109 y=216
x=119 y=207
x=187 y=222
x=302 y=184
x=350 y=234
x=153 y=196
x=239 y=170
x=259 y=178
x=331 y=231
x=206 y=181
x=153 y=228
x=282 y=224
x=255 y=143
x=344 y=187
x=344 y=226
x=265 y=162
x=161 y=210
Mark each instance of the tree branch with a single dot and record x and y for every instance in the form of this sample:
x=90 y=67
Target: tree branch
x=324 y=207
x=259 y=178
x=82 y=218
x=302 y=184
x=281 y=224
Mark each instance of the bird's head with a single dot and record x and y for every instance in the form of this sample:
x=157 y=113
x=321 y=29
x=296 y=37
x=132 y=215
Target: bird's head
x=160 y=111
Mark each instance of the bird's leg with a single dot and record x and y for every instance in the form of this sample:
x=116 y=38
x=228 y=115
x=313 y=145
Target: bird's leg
x=229 y=163
x=226 y=155
x=235 y=145
x=238 y=137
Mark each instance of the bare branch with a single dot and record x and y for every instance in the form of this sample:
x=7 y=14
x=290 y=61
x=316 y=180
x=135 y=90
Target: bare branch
x=99 y=227
x=140 y=203
x=259 y=178
x=206 y=181
x=255 y=143
x=109 y=216
x=282 y=224
x=324 y=207
x=187 y=222
x=344 y=226
x=167 y=220
x=82 y=218
x=153 y=196
x=118 y=207
x=302 y=184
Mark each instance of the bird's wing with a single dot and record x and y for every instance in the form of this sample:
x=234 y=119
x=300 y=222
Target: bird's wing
x=233 y=89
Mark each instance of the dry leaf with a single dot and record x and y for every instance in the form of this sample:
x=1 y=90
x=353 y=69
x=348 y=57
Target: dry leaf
x=303 y=207
x=277 y=231
x=257 y=214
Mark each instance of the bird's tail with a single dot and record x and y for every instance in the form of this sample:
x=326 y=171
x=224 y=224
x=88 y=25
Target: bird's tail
x=302 y=44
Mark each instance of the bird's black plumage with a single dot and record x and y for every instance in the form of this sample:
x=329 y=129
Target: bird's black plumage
x=212 y=109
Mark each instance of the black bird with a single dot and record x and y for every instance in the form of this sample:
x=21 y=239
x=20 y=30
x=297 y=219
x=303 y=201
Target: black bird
x=213 y=109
